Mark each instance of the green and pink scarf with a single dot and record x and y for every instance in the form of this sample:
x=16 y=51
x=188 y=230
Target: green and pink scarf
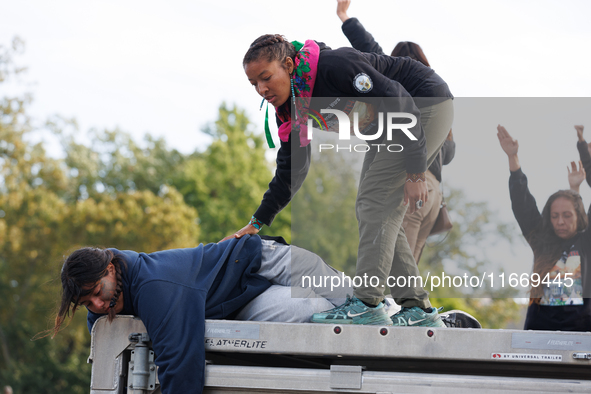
x=303 y=78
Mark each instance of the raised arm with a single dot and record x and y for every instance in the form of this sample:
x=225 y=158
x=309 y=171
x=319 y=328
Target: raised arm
x=584 y=152
x=510 y=147
x=359 y=38
x=342 y=7
x=523 y=202
x=575 y=177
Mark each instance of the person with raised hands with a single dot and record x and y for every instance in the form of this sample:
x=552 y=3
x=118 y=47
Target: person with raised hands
x=561 y=244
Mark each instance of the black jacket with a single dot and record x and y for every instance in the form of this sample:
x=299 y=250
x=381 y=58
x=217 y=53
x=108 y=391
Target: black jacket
x=547 y=317
x=363 y=41
x=585 y=159
x=392 y=77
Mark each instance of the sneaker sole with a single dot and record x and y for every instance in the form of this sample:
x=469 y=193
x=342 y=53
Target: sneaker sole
x=430 y=324
x=459 y=319
x=369 y=322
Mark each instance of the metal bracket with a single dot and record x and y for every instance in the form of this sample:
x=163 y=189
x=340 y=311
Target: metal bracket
x=346 y=377
x=142 y=370
x=582 y=356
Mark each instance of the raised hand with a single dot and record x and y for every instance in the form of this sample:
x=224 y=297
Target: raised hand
x=575 y=177
x=510 y=147
x=579 y=129
x=342 y=7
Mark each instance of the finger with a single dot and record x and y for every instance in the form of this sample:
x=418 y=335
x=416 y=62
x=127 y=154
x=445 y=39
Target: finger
x=411 y=205
x=581 y=168
x=502 y=138
x=405 y=202
x=573 y=166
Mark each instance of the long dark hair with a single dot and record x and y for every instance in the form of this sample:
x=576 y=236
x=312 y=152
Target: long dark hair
x=270 y=47
x=81 y=269
x=547 y=246
x=412 y=50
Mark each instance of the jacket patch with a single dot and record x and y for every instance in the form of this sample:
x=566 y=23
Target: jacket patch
x=362 y=83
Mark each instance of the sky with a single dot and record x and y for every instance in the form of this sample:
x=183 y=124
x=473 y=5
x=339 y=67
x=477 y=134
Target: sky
x=165 y=67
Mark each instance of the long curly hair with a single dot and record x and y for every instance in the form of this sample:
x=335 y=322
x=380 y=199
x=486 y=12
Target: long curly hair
x=547 y=246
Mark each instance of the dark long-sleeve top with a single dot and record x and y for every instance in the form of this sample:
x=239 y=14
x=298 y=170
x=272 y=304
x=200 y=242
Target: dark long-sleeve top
x=360 y=39
x=363 y=41
x=550 y=317
x=392 y=77
x=585 y=159
x=174 y=291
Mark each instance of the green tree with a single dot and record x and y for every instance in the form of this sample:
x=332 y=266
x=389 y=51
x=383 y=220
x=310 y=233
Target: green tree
x=30 y=215
x=114 y=162
x=324 y=212
x=226 y=182
x=43 y=215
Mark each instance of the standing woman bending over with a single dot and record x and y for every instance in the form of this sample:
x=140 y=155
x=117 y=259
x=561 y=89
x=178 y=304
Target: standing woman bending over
x=280 y=72
x=417 y=225
x=561 y=244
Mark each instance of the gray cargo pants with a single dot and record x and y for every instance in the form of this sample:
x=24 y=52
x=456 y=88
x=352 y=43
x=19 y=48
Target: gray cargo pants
x=384 y=252
x=293 y=298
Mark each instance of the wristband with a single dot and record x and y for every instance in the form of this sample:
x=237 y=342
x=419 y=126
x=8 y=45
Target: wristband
x=256 y=223
x=420 y=177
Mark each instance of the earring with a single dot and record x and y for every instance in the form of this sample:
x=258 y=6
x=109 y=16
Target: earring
x=292 y=90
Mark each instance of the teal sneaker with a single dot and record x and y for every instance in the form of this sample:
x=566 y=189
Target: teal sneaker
x=416 y=317
x=338 y=308
x=354 y=312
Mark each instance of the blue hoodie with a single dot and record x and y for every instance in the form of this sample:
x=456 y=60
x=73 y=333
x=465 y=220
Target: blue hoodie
x=174 y=291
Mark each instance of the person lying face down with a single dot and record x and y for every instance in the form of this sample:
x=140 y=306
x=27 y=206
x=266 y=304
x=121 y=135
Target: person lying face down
x=174 y=291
